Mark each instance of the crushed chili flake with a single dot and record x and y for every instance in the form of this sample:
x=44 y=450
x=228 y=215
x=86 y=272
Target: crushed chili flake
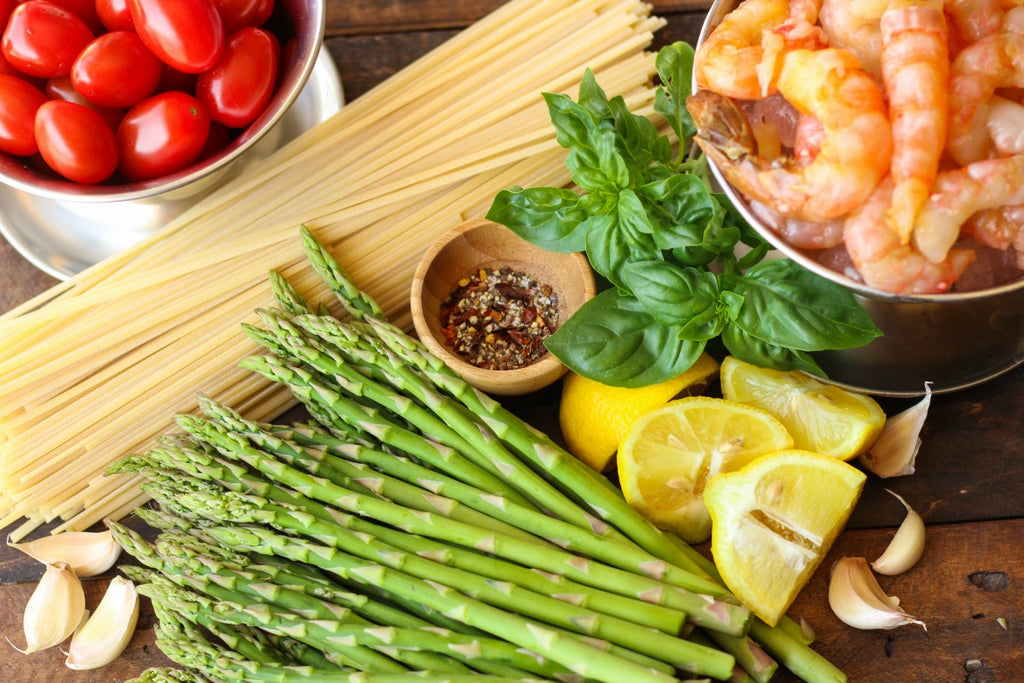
x=499 y=319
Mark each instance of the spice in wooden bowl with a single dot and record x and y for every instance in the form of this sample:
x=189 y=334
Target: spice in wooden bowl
x=484 y=300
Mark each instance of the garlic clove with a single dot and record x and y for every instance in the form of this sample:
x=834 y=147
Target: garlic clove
x=894 y=453
x=55 y=609
x=906 y=547
x=107 y=632
x=88 y=553
x=856 y=598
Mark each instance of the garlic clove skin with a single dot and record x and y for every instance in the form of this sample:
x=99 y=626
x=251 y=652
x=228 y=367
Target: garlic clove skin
x=906 y=547
x=894 y=453
x=856 y=598
x=108 y=631
x=88 y=553
x=55 y=609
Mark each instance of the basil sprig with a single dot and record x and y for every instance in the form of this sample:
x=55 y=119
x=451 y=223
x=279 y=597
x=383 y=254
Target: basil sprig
x=668 y=248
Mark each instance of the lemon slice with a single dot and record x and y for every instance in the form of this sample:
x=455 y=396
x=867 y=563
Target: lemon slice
x=774 y=521
x=594 y=416
x=670 y=453
x=821 y=417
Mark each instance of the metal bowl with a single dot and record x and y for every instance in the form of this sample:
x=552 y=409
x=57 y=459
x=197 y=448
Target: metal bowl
x=302 y=19
x=953 y=340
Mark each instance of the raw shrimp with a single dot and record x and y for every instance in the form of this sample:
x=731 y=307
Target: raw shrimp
x=995 y=61
x=1000 y=228
x=915 y=68
x=959 y=193
x=740 y=56
x=854 y=25
x=855 y=151
x=889 y=265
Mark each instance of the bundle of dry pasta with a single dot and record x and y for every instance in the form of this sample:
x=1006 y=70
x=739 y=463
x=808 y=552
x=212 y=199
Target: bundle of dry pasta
x=94 y=368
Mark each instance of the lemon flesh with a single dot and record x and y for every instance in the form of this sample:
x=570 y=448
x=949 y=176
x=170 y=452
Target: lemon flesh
x=775 y=520
x=669 y=455
x=821 y=417
x=594 y=417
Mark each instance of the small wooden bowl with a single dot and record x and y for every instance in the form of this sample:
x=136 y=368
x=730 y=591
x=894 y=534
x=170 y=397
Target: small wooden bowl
x=477 y=244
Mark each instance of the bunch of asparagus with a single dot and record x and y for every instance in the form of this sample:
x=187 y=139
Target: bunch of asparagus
x=414 y=529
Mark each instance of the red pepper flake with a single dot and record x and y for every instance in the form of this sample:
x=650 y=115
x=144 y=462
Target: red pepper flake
x=499 y=319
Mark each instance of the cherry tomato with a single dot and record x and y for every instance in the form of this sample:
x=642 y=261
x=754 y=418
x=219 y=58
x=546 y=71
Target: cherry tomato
x=187 y=34
x=162 y=134
x=42 y=39
x=76 y=142
x=116 y=70
x=6 y=7
x=63 y=89
x=114 y=15
x=241 y=13
x=19 y=101
x=84 y=10
x=239 y=87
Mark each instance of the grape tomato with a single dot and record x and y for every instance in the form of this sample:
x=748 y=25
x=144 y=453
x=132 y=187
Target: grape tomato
x=114 y=15
x=63 y=89
x=19 y=101
x=116 y=70
x=238 y=14
x=42 y=39
x=238 y=88
x=75 y=141
x=186 y=34
x=162 y=134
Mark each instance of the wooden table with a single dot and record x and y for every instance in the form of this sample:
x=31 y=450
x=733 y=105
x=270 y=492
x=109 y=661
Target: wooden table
x=968 y=588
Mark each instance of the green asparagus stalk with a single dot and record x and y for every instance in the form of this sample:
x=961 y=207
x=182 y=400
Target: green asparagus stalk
x=637 y=583
x=251 y=509
x=572 y=652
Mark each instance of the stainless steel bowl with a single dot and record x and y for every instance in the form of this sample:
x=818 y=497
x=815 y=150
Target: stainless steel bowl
x=954 y=340
x=305 y=19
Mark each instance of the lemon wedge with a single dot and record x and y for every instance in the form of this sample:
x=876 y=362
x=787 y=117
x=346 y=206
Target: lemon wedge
x=594 y=416
x=773 y=522
x=670 y=453
x=821 y=417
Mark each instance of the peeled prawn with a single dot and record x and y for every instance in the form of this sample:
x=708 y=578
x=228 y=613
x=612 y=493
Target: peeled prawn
x=885 y=263
x=855 y=150
x=915 y=68
x=975 y=19
x=740 y=56
x=996 y=61
x=958 y=194
x=1000 y=228
x=854 y=25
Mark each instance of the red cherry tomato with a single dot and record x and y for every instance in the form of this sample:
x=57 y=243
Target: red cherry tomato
x=114 y=15
x=187 y=34
x=19 y=101
x=239 y=87
x=84 y=10
x=76 y=142
x=42 y=39
x=116 y=70
x=162 y=134
x=241 y=13
x=63 y=89
x=6 y=7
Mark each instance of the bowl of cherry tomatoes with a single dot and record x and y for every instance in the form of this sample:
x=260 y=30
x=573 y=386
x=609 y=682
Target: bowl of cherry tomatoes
x=144 y=100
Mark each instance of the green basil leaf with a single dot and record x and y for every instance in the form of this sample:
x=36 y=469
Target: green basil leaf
x=639 y=140
x=612 y=339
x=610 y=246
x=593 y=159
x=632 y=215
x=675 y=68
x=551 y=218
x=765 y=354
x=594 y=100
x=788 y=305
x=672 y=295
x=687 y=215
